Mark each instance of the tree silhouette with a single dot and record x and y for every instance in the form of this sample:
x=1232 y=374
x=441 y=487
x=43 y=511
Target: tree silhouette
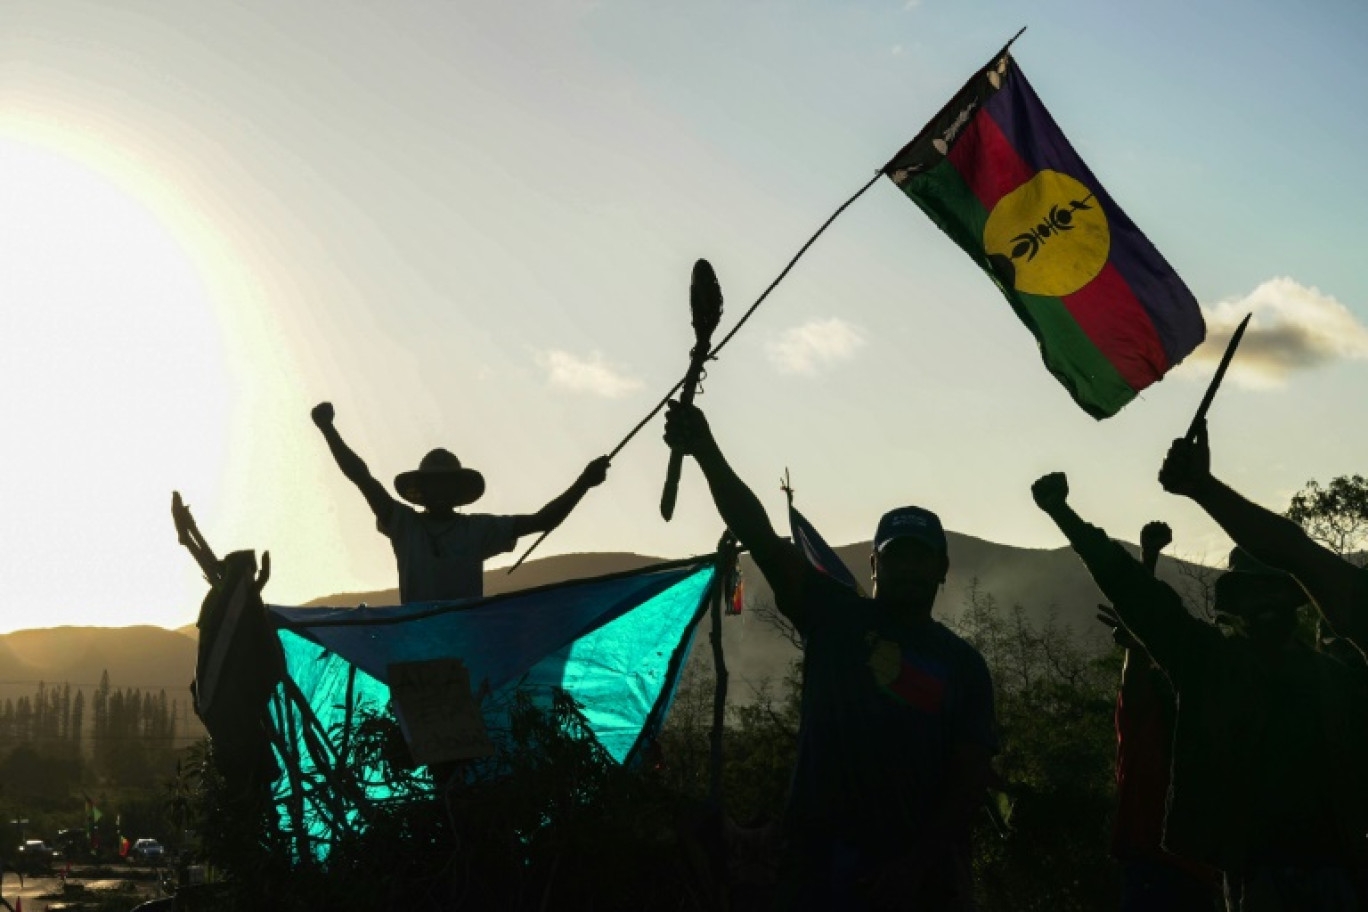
x=1335 y=515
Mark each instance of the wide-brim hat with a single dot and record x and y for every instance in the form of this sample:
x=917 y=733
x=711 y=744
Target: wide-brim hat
x=440 y=470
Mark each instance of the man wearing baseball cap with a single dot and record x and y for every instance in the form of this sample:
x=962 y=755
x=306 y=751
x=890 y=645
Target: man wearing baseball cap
x=441 y=552
x=1269 y=741
x=897 y=726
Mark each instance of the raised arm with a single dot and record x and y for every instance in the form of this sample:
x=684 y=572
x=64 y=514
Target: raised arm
x=554 y=513
x=381 y=503
x=1149 y=608
x=1339 y=589
x=1154 y=537
x=687 y=431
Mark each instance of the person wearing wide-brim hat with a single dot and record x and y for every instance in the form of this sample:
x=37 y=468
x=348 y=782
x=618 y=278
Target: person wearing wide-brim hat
x=441 y=552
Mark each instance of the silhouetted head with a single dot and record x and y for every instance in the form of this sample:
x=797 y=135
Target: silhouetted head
x=910 y=558
x=1258 y=601
x=440 y=482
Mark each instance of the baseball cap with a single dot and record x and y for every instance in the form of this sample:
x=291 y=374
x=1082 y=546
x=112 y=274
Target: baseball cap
x=911 y=522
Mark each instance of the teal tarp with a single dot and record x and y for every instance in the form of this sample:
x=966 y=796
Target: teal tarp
x=616 y=644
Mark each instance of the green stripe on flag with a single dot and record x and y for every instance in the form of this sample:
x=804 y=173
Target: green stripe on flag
x=1071 y=356
x=947 y=200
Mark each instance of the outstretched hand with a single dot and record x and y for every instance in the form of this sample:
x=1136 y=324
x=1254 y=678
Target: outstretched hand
x=686 y=429
x=1051 y=491
x=1155 y=537
x=1120 y=635
x=594 y=473
x=323 y=414
x=1188 y=464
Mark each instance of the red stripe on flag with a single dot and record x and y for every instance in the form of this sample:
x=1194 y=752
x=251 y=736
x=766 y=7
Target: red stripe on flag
x=1114 y=320
x=919 y=688
x=988 y=162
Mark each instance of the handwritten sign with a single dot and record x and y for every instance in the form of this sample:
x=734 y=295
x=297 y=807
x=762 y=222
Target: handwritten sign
x=439 y=716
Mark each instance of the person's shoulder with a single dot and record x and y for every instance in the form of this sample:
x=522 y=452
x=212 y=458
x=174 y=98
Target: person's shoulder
x=831 y=605
x=401 y=514
x=956 y=645
x=818 y=586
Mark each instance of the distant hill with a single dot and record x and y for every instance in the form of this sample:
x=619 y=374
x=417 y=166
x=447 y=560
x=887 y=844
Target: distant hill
x=144 y=657
x=530 y=575
x=1047 y=583
x=1040 y=580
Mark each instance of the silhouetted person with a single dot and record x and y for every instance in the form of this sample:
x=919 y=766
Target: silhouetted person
x=441 y=552
x=1152 y=880
x=897 y=726
x=1269 y=738
x=1337 y=587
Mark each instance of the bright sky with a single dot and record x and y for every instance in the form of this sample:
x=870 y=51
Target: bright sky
x=471 y=225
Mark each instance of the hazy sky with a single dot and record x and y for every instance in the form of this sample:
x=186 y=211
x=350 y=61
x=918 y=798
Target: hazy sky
x=471 y=225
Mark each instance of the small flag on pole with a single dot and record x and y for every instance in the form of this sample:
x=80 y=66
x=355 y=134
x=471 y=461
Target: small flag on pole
x=995 y=173
x=809 y=541
x=738 y=596
x=818 y=552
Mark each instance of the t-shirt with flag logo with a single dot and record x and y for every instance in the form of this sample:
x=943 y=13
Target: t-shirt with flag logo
x=882 y=706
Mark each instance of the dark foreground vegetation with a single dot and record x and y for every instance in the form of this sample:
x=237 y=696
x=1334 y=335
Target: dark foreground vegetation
x=566 y=828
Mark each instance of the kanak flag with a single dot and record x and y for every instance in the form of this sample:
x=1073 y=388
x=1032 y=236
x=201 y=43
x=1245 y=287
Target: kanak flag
x=997 y=175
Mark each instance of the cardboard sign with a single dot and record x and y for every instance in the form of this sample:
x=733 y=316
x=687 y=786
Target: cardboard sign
x=439 y=716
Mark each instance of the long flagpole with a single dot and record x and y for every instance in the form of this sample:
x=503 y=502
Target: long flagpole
x=720 y=345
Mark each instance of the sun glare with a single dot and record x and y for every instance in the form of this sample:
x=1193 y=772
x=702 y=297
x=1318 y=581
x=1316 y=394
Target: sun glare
x=113 y=390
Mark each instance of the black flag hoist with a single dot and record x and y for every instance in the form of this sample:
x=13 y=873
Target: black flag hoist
x=705 y=310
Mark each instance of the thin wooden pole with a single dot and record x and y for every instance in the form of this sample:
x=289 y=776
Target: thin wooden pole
x=727 y=553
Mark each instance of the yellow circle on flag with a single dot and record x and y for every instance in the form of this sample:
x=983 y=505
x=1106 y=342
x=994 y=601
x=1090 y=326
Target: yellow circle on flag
x=1049 y=236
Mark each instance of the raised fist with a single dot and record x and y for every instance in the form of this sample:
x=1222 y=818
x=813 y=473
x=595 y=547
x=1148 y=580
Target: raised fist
x=322 y=414
x=686 y=430
x=595 y=472
x=1155 y=537
x=1051 y=491
x=1188 y=464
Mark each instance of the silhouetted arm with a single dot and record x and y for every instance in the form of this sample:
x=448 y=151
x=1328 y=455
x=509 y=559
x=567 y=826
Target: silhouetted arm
x=1136 y=663
x=1339 y=589
x=687 y=431
x=351 y=465
x=1149 y=608
x=554 y=513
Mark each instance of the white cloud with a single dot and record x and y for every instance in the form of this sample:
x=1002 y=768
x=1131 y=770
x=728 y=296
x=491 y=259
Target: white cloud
x=815 y=344
x=897 y=50
x=911 y=4
x=1294 y=328
x=590 y=375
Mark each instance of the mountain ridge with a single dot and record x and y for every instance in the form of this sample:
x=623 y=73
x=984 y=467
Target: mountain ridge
x=1050 y=584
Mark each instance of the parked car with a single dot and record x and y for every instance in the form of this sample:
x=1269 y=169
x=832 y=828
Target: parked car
x=35 y=856
x=146 y=850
